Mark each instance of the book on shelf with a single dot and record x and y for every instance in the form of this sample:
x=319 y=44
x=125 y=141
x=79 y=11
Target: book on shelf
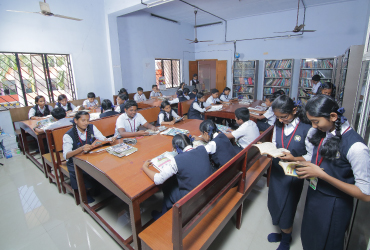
x=269 y=91
x=121 y=150
x=269 y=148
x=279 y=64
x=320 y=63
x=278 y=73
x=163 y=160
x=174 y=131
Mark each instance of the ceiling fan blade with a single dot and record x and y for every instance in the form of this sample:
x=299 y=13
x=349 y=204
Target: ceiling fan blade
x=283 y=31
x=301 y=26
x=67 y=17
x=23 y=11
x=308 y=30
x=189 y=39
x=205 y=41
x=192 y=42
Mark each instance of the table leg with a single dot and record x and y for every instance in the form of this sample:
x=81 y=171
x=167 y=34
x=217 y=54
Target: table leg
x=26 y=150
x=135 y=223
x=81 y=187
x=40 y=142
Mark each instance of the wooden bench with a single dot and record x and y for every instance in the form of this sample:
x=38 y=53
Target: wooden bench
x=184 y=107
x=196 y=220
x=150 y=114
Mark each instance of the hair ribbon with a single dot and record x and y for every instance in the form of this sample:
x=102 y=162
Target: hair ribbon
x=341 y=111
x=191 y=138
x=298 y=103
x=178 y=150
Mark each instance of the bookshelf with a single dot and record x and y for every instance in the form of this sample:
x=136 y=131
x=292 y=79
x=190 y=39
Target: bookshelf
x=245 y=79
x=277 y=76
x=310 y=67
x=342 y=77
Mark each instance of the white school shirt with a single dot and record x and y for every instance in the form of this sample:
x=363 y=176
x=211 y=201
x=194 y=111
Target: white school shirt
x=60 y=123
x=68 y=141
x=130 y=125
x=169 y=169
x=66 y=106
x=187 y=97
x=198 y=108
x=211 y=100
x=153 y=93
x=90 y=104
x=211 y=146
x=270 y=116
x=359 y=158
x=316 y=87
x=225 y=98
x=139 y=98
x=246 y=133
x=173 y=101
x=161 y=116
x=289 y=128
x=118 y=109
x=32 y=111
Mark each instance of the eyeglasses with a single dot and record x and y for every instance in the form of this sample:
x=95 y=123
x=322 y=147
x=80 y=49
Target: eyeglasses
x=282 y=117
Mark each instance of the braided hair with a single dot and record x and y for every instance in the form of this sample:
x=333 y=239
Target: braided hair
x=78 y=115
x=197 y=98
x=323 y=106
x=180 y=141
x=209 y=127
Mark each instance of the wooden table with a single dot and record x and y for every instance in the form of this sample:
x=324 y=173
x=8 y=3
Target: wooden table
x=124 y=178
x=228 y=111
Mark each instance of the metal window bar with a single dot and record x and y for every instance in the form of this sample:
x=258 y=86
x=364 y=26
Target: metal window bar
x=23 y=76
x=170 y=69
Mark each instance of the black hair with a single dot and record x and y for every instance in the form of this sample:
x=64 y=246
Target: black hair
x=278 y=93
x=154 y=85
x=209 y=127
x=197 y=98
x=242 y=113
x=181 y=84
x=58 y=113
x=130 y=103
x=88 y=132
x=271 y=98
x=61 y=97
x=323 y=106
x=186 y=91
x=213 y=91
x=195 y=90
x=181 y=141
x=164 y=104
x=195 y=75
x=285 y=105
x=226 y=89
x=139 y=89
x=327 y=85
x=106 y=104
x=179 y=93
x=91 y=95
x=316 y=78
x=123 y=97
x=38 y=97
x=122 y=91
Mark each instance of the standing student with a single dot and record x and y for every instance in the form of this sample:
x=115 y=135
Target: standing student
x=219 y=146
x=268 y=118
x=193 y=93
x=180 y=97
x=327 y=88
x=213 y=99
x=186 y=92
x=63 y=103
x=292 y=131
x=166 y=115
x=139 y=96
x=121 y=100
x=198 y=107
x=188 y=169
x=225 y=95
x=247 y=131
x=78 y=140
x=107 y=109
x=59 y=115
x=194 y=82
x=40 y=109
x=91 y=102
x=155 y=92
x=128 y=123
x=341 y=164
x=315 y=85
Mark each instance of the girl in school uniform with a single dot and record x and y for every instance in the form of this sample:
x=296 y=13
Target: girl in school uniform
x=225 y=95
x=193 y=94
x=78 y=140
x=63 y=103
x=197 y=108
x=180 y=97
x=292 y=131
x=327 y=88
x=121 y=100
x=186 y=171
x=40 y=109
x=122 y=91
x=107 y=109
x=218 y=145
x=340 y=166
x=166 y=115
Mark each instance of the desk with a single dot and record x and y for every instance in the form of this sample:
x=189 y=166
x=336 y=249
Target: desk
x=149 y=103
x=124 y=178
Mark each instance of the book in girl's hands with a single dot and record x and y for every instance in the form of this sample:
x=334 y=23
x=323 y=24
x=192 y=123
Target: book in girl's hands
x=215 y=108
x=269 y=148
x=198 y=143
x=164 y=159
x=222 y=128
x=289 y=167
x=98 y=143
x=121 y=150
x=175 y=131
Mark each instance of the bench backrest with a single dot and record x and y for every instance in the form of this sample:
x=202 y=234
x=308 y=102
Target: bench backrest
x=150 y=114
x=193 y=207
x=80 y=101
x=19 y=114
x=185 y=107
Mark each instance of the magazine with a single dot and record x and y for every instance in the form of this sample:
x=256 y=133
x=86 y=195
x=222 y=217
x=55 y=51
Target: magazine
x=162 y=160
x=222 y=128
x=153 y=132
x=42 y=123
x=175 y=131
x=121 y=150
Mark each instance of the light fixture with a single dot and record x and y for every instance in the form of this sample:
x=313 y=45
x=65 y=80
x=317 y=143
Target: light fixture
x=158 y=2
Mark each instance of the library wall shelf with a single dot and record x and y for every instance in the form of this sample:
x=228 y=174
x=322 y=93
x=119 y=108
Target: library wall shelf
x=278 y=76
x=245 y=79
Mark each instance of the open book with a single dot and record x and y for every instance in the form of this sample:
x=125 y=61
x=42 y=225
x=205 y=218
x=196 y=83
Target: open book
x=175 y=131
x=215 y=108
x=258 y=108
x=289 y=167
x=222 y=128
x=164 y=159
x=121 y=150
x=178 y=119
x=153 y=132
x=269 y=148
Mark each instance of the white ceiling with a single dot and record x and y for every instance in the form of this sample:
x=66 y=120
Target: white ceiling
x=228 y=9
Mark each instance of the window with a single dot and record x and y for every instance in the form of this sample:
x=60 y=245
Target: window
x=23 y=76
x=169 y=69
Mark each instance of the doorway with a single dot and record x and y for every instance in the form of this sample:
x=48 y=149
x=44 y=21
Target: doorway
x=211 y=73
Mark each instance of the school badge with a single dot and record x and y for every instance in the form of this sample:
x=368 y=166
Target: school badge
x=338 y=155
x=297 y=138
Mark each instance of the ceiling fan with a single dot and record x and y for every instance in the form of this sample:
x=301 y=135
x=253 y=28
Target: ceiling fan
x=298 y=28
x=195 y=27
x=45 y=10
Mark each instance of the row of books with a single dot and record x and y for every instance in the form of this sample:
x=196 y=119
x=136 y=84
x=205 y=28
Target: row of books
x=324 y=63
x=278 y=73
x=244 y=65
x=269 y=91
x=278 y=82
x=287 y=64
x=302 y=93
x=310 y=73
x=244 y=73
x=306 y=83
x=243 y=88
x=244 y=80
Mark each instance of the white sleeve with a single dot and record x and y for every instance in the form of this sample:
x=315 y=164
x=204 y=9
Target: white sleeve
x=274 y=136
x=144 y=97
x=198 y=108
x=97 y=134
x=73 y=106
x=358 y=157
x=223 y=98
x=85 y=103
x=96 y=102
x=187 y=97
x=167 y=171
x=67 y=145
x=136 y=97
x=209 y=101
x=238 y=133
x=120 y=123
x=174 y=114
x=176 y=100
x=160 y=118
x=31 y=113
x=50 y=108
x=211 y=147
x=118 y=109
x=269 y=113
x=309 y=146
x=152 y=94
x=205 y=104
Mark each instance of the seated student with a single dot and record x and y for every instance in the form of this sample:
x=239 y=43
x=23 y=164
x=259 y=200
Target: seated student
x=193 y=93
x=187 y=170
x=166 y=115
x=213 y=99
x=225 y=95
x=182 y=86
x=327 y=88
x=40 y=109
x=219 y=146
x=128 y=123
x=121 y=100
x=268 y=118
x=197 y=108
x=107 y=109
x=122 y=91
x=155 y=92
x=186 y=92
x=78 y=140
x=139 y=96
x=180 y=97
x=63 y=103
x=91 y=102
x=247 y=131
x=315 y=85
x=59 y=115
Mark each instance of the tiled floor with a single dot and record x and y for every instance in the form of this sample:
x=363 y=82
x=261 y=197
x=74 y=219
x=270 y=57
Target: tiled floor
x=34 y=215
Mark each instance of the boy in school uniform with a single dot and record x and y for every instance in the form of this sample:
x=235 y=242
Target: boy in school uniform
x=91 y=102
x=247 y=131
x=59 y=115
x=186 y=93
x=155 y=92
x=121 y=100
x=213 y=99
x=193 y=93
x=128 y=123
x=139 y=96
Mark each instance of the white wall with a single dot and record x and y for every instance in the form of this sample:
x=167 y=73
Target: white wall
x=338 y=26
x=142 y=39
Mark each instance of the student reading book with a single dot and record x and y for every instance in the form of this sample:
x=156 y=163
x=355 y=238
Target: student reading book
x=269 y=148
x=166 y=115
x=91 y=102
x=121 y=100
x=59 y=114
x=198 y=107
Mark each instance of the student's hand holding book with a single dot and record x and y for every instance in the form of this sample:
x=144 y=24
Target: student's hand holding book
x=142 y=133
x=87 y=147
x=287 y=157
x=309 y=170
